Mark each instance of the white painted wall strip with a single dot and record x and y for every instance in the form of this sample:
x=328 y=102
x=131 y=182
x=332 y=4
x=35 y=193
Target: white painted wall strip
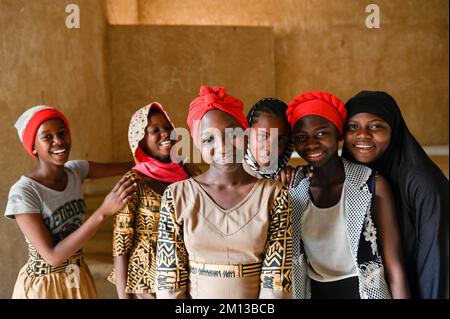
x=434 y=150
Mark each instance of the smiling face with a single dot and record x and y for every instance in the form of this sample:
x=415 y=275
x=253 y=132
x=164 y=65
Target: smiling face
x=367 y=137
x=156 y=141
x=261 y=141
x=220 y=147
x=52 y=142
x=316 y=139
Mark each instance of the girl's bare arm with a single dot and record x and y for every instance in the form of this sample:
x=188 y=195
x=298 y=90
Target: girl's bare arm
x=37 y=233
x=389 y=239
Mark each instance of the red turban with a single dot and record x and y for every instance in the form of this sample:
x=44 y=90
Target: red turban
x=319 y=103
x=214 y=98
x=29 y=122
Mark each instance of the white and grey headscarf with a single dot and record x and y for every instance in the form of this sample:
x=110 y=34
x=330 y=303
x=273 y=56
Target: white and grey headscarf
x=277 y=108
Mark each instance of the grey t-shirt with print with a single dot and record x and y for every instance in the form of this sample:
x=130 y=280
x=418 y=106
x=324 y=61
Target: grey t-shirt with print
x=62 y=211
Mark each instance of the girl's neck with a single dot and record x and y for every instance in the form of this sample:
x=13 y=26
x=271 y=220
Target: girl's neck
x=227 y=177
x=47 y=171
x=166 y=160
x=156 y=185
x=330 y=173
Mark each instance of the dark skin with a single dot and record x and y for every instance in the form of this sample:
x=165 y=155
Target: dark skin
x=316 y=140
x=260 y=139
x=287 y=174
x=226 y=183
x=48 y=172
x=260 y=143
x=156 y=143
x=367 y=137
x=52 y=146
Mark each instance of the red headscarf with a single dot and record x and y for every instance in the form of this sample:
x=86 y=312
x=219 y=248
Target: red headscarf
x=167 y=172
x=29 y=122
x=319 y=103
x=214 y=98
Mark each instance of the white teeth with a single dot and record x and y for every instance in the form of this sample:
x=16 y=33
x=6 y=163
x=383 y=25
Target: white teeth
x=364 y=148
x=315 y=155
x=59 y=151
x=166 y=143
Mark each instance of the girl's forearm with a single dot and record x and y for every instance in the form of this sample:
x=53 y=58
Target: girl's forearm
x=77 y=239
x=101 y=170
x=398 y=283
x=121 y=274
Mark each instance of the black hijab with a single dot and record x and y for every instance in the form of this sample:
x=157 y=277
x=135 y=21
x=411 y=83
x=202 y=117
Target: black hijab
x=403 y=148
x=421 y=194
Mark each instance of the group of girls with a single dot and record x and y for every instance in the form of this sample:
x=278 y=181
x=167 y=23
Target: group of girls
x=372 y=223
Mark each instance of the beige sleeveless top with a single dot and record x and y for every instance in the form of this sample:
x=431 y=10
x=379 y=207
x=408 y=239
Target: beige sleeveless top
x=225 y=248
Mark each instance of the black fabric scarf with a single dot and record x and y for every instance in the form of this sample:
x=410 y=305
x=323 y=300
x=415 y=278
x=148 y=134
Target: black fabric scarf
x=402 y=145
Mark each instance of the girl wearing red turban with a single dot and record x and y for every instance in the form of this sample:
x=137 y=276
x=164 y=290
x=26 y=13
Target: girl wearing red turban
x=337 y=227
x=224 y=233
x=48 y=206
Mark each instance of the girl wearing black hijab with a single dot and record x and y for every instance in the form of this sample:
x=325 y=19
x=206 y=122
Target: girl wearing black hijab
x=376 y=135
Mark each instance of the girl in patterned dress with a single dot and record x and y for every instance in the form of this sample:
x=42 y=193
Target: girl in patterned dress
x=136 y=225
x=48 y=206
x=346 y=242
x=224 y=233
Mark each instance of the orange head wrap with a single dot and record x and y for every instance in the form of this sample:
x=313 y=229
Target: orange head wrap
x=214 y=98
x=319 y=103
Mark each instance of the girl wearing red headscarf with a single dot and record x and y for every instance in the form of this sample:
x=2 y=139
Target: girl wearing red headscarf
x=136 y=225
x=223 y=234
x=345 y=240
x=48 y=206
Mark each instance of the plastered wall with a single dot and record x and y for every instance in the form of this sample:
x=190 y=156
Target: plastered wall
x=325 y=44
x=169 y=64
